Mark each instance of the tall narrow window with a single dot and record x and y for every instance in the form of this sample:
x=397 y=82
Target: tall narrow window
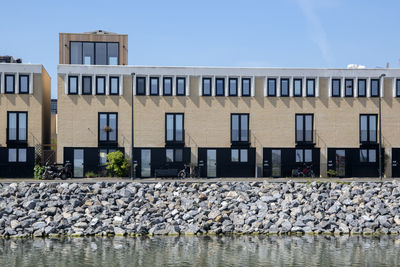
x=239 y=127
x=397 y=87
x=100 y=85
x=310 y=87
x=17 y=125
x=72 y=85
x=75 y=53
x=180 y=86
x=368 y=127
x=23 y=84
x=154 y=86
x=174 y=127
x=206 y=86
x=233 y=86
x=112 y=53
x=141 y=86
x=101 y=53
x=10 y=84
x=348 y=83
x=246 y=86
x=336 y=87
x=304 y=128
x=271 y=86
x=167 y=86
x=375 y=87
x=87 y=85
x=362 y=87
x=88 y=53
x=114 y=85
x=284 y=87
x=108 y=127
x=220 y=86
x=298 y=86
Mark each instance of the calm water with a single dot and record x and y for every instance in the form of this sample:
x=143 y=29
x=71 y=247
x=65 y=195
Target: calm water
x=202 y=251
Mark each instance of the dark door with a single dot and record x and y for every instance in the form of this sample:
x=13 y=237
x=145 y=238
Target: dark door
x=395 y=162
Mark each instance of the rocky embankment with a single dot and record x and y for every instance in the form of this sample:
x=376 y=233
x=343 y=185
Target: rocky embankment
x=56 y=209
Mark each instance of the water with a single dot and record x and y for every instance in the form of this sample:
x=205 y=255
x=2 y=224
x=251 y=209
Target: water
x=203 y=251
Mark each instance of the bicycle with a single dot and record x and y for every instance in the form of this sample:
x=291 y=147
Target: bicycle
x=189 y=171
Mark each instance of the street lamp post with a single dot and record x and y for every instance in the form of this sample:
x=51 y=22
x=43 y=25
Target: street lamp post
x=380 y=125
x=132 y=166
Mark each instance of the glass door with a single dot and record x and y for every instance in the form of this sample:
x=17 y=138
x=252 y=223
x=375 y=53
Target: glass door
x=276 y=163
x=78 y=162
x=340 y=163
x=211 y=163
x=146 y=163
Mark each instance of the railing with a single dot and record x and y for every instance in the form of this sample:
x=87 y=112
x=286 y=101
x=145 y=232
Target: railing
x=240 y=137
x=15 y=140
x=368 y=136
x=178 y=137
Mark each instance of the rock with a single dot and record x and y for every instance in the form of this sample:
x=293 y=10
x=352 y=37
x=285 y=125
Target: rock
x=38 y=225
x=286 y=226
x=232 y=194
x=213 y=214
x=29 y=205
x=15 y=224
x=202 y=197
x=118 y=220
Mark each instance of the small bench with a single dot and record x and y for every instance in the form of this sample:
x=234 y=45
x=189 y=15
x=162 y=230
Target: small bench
x=166 y=173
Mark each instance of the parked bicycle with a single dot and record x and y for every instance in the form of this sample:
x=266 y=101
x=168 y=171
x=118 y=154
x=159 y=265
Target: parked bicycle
x=53 y=171
x=189 y=171
x=304 y=171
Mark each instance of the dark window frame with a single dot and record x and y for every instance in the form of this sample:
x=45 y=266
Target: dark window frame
x=177 y=86
x=367 y=159
x=27 y=84
x=94 y=52
x=240 y=155
x=345 y=87
x=174 y=152
x=222 y=93
x=229 y=86
x=69 y=84
x=303 y=152
x=137 y=85
x=268 y=87
x=90 y=86
x=358 y=87
x=378 y=89
x=243 y=80
x=397 y=87
x=17 y=155
x=313 y=89
x=202 y=86
x=294 y=87
x=151 y=85
x=164 y=79
x=288 y=87
x=110 y=82
x=339 y=89
x=97 y=85
x=17 y=139
x=107 y=141
x=5 y=83
x=369 y=128
x=240 y=128
x=174 y=139
x=304 y=127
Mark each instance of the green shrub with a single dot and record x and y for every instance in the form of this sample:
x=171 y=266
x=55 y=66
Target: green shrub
x=90 y=175
x=38 y=171
x=117 y=164
x=331 y=173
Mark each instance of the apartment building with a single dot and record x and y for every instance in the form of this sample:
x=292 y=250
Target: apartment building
x=24 y=116
x=233 y=122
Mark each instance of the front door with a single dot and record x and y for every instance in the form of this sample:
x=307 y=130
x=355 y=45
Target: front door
x=211 y=163
x=78 y=162
x=146 y=163
x=395 y=162
x=340 y=162
x=276 y=163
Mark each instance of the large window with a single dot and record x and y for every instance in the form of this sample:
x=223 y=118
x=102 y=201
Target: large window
x=297 y=86
x=336 y=87
x=362 y=87
x=87 y=85
x=348 y=83
x=141 y=86
x=271 y=82
x=206 y=86
x=239 y=127
x=100 y=85
x=233 y=86
x=17 y=155
x=285 y=87
x=167 y=86
x=310 y=87
x=368 y=127
x=304 y=128
x=246 y=86
x=239 y=155
x=108 y=127
x=23 y=84
x=10 y=83
x=94 y=53
x=303 y=155
x=368 y=155
x=174 y=127
x=114 y=85
x=17 y=125
x=220 y=86
x=174 y=155
x=375 y=87
x=154 y=87
x=72 y=85
x=180 y=86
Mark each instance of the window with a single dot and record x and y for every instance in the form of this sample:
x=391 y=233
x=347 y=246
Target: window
x=348 y=83
x=10 y=84
x=206 y=86
x=114 y=85
x=297 y=85
x=100 y=85
x=303 y=155
x=368 y=155
x=362 y=87
x=17 y=126
x=271 y=86
x=167 y=86
x=336 y=87
x=154 y=86
x=246 y=85
x=12 y=155
x=304 y=128
x=103 y=155
x=220 y=86
x=180 y=86
x=174 y=127
x=284 y=87
x=240 y=128
x=73 y=85
x=174 y=155
x=397 y=87
x=239 y=155
x=310 y=87
x=233 y=83
x=108 y=127
x=23 y=84
x=86 y=85
x=368 y=127
x=141 y=86
x=94 y=53
x=375 y=87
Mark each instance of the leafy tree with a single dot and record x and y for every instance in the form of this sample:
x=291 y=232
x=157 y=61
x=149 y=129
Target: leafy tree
x=117 y=164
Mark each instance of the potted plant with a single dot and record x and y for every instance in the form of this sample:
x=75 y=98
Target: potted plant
x=107 y=129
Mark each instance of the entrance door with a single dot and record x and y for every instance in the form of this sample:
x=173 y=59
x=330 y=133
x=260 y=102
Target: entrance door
x=78 y=162
x=276 y=163
x=146 y=163
x=211 y=163
x=341 y=162
x=395 y=162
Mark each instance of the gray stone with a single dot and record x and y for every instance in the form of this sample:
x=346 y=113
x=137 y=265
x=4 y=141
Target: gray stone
x=38 y=225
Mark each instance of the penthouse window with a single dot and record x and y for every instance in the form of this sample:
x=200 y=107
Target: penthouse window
x=108 y=123
x=310 y=87
x=141 y=86
x=206 y=86
x=375 y=87
x=336 y=87
x=397 y=87
x=17 y=123
x=86 y=85
x=220 y=87
x=174 y=128
x=154 y=87
x=348 y=83
x=180 y=86
x=233 y=86
x=10 y=83
x=23 y=84
x=239 y=155
x=167 y=86
x=17 y=155
x=239 y=128
x=368 y=126
x=362 y=87
x=94 y=53
x=271 y=86
x=246 y=85
x=304 y=128
x=72 y=85
x=285 y=87
x=114 y=85
x=100 y=85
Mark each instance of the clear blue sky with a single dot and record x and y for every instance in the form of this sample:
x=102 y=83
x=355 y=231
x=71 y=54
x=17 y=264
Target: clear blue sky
x=284 y=33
